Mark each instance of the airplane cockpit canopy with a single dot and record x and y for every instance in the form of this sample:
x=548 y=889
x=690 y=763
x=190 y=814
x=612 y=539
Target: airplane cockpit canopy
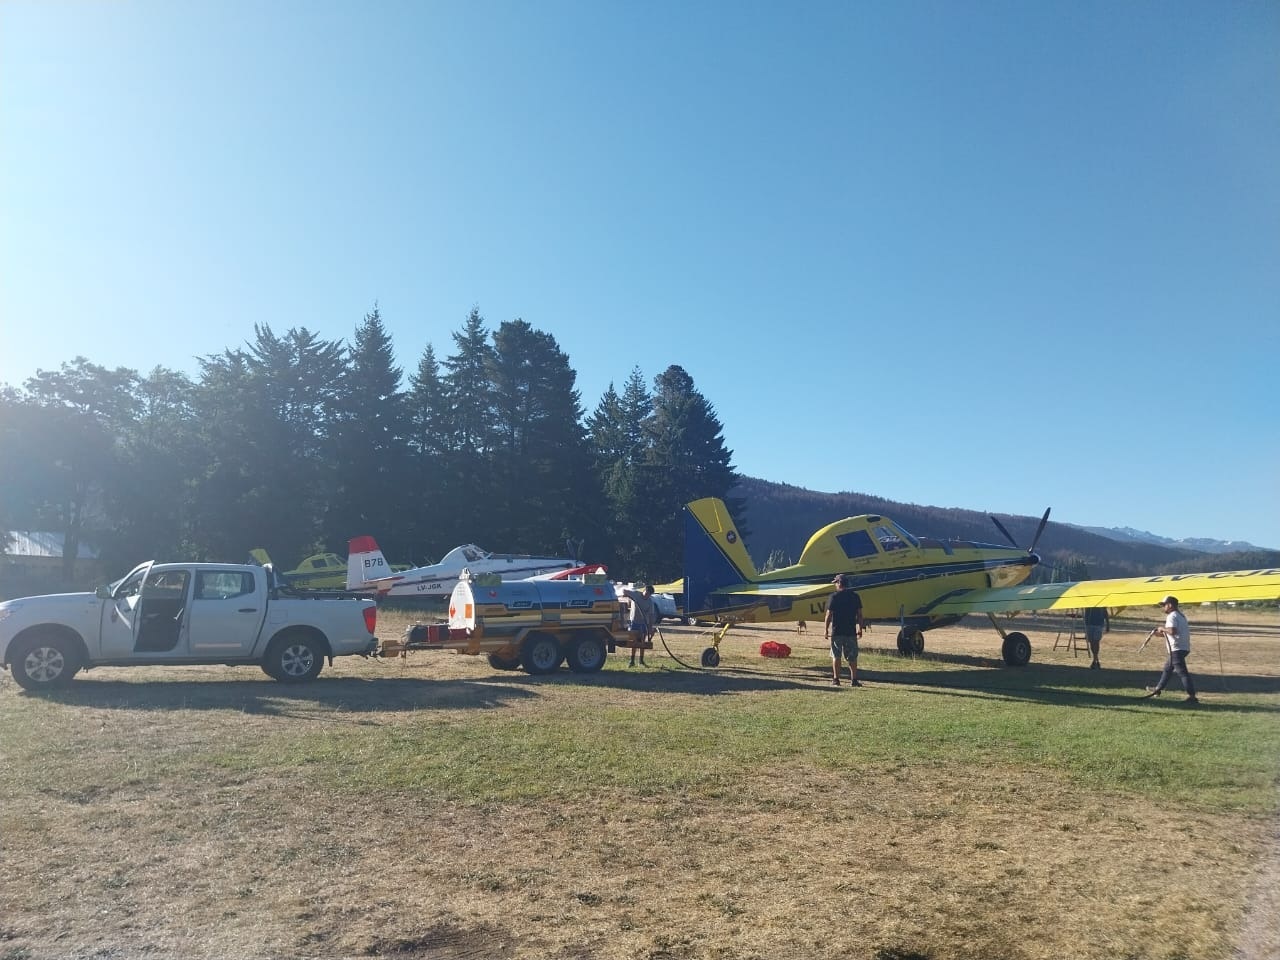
x=880 y=536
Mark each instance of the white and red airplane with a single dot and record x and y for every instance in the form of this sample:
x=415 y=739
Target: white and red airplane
x=368 y=571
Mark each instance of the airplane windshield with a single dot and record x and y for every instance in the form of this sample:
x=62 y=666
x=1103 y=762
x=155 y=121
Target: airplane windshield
x=894 y=538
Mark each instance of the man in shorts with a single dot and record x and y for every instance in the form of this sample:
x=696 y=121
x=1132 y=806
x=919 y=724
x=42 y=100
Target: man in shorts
x=1096 y=620
x=644 y=620
x=844 y=626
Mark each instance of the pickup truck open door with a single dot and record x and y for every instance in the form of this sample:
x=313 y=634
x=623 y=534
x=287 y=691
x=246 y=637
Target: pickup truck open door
x=120 y=610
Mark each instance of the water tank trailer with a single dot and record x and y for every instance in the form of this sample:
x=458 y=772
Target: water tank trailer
x=534 y=624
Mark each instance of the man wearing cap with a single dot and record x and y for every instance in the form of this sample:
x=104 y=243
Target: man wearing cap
x=1177 y=639
x=844 y=627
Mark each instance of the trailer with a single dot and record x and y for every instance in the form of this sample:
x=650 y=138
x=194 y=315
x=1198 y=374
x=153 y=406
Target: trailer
x=536 y=625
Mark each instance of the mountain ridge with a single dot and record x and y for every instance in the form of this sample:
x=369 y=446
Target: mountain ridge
x=1202 y=544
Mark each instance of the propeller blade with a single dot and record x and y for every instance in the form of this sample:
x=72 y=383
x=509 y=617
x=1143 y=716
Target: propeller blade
x=1039 y=530
x=1000 y=527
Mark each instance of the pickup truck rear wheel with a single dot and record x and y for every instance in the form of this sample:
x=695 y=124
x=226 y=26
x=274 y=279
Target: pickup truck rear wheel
x=44 y=662
x=293 y=658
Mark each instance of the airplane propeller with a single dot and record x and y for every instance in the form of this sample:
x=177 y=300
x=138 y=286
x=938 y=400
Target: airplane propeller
x=1034 y=540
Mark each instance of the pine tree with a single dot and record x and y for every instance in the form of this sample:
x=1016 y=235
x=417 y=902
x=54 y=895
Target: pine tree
x=616 y=433
x=545 y=490
x=371 y=454
x=268 y=417
x=686 y=459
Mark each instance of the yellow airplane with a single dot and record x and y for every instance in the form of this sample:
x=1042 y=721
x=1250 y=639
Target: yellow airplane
x=916 y=583
x=320 y=571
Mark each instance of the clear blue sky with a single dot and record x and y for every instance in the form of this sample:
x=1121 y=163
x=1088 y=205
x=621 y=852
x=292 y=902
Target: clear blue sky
x=991 y=255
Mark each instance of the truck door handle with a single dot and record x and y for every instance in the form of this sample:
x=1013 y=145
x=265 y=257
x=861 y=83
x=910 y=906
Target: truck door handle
x=247 y=610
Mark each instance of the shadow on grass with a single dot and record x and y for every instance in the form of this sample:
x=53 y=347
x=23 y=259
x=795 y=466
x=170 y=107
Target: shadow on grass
x=338 y=697
x=964 y=675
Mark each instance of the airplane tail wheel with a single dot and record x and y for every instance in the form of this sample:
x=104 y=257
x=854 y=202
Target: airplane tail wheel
x=910 y=641
x=711 y=657
x=1016 y=649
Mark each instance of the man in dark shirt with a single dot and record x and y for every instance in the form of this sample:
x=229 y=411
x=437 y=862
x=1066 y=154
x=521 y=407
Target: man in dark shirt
x=1095 y=620
x=844 y=627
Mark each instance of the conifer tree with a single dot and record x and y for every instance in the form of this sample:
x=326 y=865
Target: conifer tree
x=686 y=459
x=268 y=416
x=371 y=454
x=545 y=490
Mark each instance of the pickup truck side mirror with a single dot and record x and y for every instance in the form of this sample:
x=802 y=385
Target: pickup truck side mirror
x=103 y=592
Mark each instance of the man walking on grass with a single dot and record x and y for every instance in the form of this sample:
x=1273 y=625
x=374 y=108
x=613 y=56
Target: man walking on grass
x=844 y=627
x=1177 y=640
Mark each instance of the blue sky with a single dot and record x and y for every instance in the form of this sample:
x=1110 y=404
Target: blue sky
x=985 y=255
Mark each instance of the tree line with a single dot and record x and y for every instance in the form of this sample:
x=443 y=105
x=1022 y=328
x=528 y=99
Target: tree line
x=296 y=443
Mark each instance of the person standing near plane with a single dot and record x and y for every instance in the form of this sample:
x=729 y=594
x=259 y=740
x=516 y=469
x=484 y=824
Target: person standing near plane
x=1096 y=620
x=843 y=627
x=644 y=619
x=1177 y=640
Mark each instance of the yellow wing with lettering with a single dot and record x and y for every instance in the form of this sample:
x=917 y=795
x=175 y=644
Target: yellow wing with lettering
x=1191 y=588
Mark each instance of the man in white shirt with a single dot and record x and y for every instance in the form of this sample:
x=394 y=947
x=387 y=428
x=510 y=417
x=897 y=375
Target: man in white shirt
x=1177 y=640
x=644 y=620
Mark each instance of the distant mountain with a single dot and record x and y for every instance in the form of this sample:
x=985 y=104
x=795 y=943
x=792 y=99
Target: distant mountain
x=1200 y=544
x=777 y=519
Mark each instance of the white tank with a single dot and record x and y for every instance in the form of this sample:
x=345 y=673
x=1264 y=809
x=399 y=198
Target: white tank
x=494 y=607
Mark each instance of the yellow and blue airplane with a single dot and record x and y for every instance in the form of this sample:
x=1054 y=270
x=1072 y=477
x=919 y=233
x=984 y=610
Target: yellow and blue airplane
x=916 y=583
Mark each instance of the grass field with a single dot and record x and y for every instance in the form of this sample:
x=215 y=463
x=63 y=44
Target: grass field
x=433 y=807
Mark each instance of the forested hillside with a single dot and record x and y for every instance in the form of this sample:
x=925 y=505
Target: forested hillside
x=780 y=518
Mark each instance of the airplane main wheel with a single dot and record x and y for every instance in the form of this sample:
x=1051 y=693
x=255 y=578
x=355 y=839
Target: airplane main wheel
x=541 y=653
x=711 y=657
x=1016 y=649
x=910 y=641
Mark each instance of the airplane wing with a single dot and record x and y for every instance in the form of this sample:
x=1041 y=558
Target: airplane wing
x=1125 y=592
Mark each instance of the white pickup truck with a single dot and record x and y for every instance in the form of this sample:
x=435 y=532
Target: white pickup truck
x=182 y=613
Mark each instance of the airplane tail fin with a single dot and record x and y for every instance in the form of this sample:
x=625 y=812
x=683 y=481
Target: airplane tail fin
x=714 y=554
x=259 y=556
x=365 y=563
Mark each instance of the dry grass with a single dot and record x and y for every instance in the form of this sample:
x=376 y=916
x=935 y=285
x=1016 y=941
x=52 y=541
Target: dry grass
x=209 y=812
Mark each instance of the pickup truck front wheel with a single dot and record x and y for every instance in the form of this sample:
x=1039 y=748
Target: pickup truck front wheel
x=293 y=658
x=44 y=661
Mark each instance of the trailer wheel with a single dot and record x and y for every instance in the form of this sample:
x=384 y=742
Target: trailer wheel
x=587 y=654
x=499 y=662
x=541 y=653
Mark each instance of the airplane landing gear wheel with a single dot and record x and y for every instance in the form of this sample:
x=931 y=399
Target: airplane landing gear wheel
x=1016 y=649
x=711 y=657
x=910 y=641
